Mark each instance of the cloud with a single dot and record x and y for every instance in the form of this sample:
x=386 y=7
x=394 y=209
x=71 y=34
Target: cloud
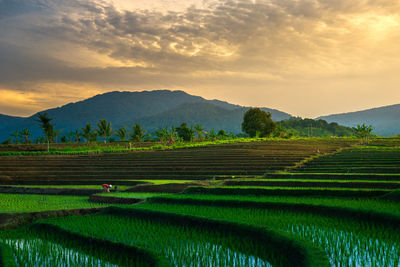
x=219 y=44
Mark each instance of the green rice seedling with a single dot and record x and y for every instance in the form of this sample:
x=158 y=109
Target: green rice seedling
x=38 y=252
x=133 y=195
x=30 y=203
x=120 y=187
x=181 y=245
x=287 y=191
x=359 y=204
x=6 y=255
x=346 y=242
x=47 y=245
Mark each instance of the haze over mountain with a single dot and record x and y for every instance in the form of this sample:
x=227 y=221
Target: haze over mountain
x=152 y=109
x=385 y=120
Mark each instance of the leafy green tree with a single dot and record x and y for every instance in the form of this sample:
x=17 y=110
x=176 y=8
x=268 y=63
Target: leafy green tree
x=104 y=130
x=7 y=142
x=363 y=132
x=137 y=133
x=88 y=133
x=222 y=134
x=185 y=132
x=199 y=131
x=25 y=134
x=257 y=122
x=15 y=134
x=47 y=127
x=121 y=133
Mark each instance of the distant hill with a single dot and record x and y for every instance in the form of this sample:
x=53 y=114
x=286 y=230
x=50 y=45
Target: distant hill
x=6 y=120
x=152 y=109
x=207 y=114
x=385 y=120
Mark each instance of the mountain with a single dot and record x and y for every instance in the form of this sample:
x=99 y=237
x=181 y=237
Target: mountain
x=207 y=114
x=152 y=109
x=6 y=120
x=385 y=120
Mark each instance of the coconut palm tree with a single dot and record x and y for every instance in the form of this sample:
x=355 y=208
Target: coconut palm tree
x=137 y=133
x=47 y=127
x=15 y=134
x=25 y=133
x=104 y=130
x=77 y=135
x=364 y=132
x=56 y=133
x=87 y=133
x=199 y=131
x=121 y=133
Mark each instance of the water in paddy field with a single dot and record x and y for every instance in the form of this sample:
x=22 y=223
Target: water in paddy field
x=206 y=254
x=37 y=252
x=351 y=249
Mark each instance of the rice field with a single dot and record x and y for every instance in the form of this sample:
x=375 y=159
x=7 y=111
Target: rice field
x=301 y=202
x=16 y=203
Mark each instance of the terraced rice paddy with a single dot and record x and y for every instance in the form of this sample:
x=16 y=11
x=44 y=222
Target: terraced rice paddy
x=347 y=242
x=186 y=164
x=121 y=187
x=307 y=202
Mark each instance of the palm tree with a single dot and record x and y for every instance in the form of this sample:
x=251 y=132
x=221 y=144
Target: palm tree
x=104 y=130
x=87 y=133
x=161 y=133
x=167 y=137
x=199 y=131
x=15 y=134
x=364 y=132
x=191 y=133
x=77 y=135
x=121 y=133
x=137 y=133
x=47 y=127
x=25 y=133
x=56 y=133
x=211 y=135
x=70 y=137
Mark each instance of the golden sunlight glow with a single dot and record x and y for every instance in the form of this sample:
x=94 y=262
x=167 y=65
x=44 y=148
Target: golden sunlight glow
x=252 y=52
x=16 y=98
x=378 y=26
x=78 y=56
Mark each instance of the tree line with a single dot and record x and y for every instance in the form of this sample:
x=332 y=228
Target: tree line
x=104 y=131
x=256 y=123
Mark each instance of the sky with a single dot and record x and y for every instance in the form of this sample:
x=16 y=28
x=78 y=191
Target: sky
x=304 y=57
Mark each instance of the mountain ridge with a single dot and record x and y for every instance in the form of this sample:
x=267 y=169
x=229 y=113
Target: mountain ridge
x=385 y=120
x=126 y=108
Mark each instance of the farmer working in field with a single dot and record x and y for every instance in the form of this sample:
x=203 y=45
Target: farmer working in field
x=106 y=187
